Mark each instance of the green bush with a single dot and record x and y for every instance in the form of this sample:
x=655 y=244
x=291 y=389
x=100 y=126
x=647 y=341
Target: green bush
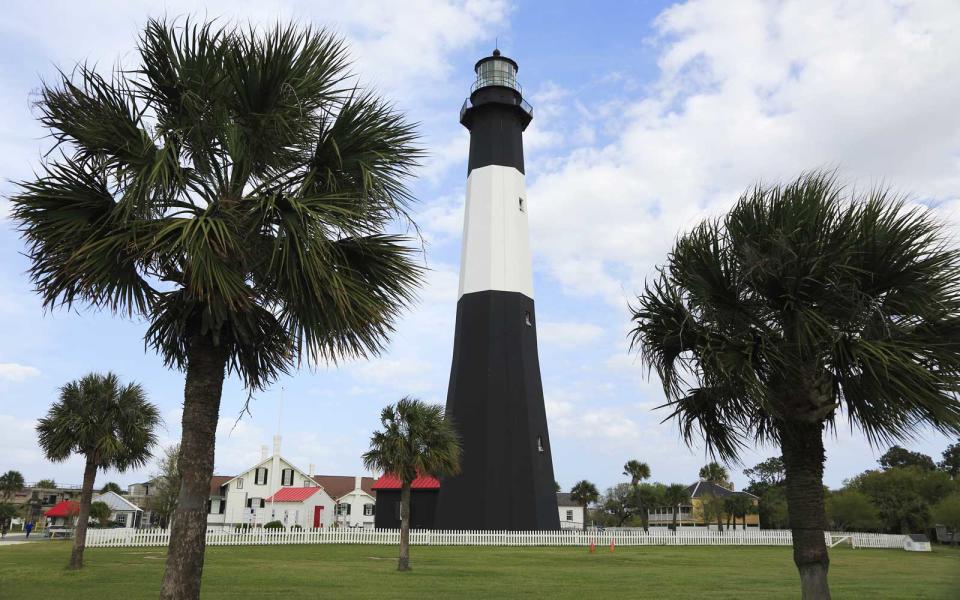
x=296 y=528
x=274 y=525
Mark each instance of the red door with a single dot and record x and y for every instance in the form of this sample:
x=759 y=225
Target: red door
x=317 y=513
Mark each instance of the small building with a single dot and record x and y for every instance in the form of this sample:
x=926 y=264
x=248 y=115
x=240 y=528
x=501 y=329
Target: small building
x=62 y=514
x=122 y=512
x=306 y=507
x=916 y=542
x=423 y=502
x=354 y=498
x=571 y=513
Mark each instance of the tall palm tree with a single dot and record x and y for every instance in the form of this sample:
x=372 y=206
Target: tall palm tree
x=638 y=471
x=676 y=494
x=584 y=493
x=11 y=482
x=805 y=302
x=417 y=439
x=234 y=190
x=716 y=473
x=110 y=424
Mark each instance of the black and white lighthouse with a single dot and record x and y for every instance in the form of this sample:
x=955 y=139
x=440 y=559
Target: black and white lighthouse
x=495 y=396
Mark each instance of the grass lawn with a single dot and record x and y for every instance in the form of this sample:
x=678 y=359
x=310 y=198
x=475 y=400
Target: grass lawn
x=36 y=570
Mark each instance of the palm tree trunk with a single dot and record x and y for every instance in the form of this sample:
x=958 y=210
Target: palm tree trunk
x=201 y=409
x=584 y=517
x=404 y=563
x=80 y=534
x=675 y=518
x=803 y=458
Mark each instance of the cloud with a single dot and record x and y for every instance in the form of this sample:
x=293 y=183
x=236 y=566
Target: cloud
x=867 y=86
x=567 y=334
x=15 y=373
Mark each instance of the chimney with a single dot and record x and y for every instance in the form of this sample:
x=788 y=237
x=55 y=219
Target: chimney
x=312 y=468
x=263 y=452
x=356 y=482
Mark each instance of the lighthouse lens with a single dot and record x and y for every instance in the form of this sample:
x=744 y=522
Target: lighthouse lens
x=497 y=72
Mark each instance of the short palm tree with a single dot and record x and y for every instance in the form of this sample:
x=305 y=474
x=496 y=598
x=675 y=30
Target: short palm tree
x=11 y=482
x=584 y=493
x=638 y=471
x=803 y=303
x=109 y=424
x=716 y=473
x=234 y=189
x=101 y=512
x=417 y=439
x=675 y=495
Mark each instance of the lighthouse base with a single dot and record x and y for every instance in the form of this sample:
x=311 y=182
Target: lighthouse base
x=495 y=400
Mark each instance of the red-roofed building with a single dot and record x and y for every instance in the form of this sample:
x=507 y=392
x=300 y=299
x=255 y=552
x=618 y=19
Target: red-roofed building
x=423 y=501
x=62 y=514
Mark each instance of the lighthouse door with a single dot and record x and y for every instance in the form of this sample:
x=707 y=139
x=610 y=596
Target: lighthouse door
x=317 y=514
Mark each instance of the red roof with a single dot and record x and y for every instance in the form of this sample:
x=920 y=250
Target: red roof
x=64 y=508
x=293 y=494
x=389 y=481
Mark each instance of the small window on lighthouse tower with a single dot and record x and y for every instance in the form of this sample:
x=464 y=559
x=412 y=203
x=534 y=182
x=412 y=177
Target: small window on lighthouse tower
x=523 y=207
x=527 y=319
x=539 y=444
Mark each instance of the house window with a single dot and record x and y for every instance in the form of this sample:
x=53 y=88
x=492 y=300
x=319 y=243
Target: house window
x=209 y=507
x=343 y=509
x=539 y=444
x=286 y=477
x=523 y=208
x=527 y=319
x=260 y=476
x=255 y=503
x=569 y=515
x=223 y=507
x=368 y=510
x=309 y=483
x=122 y=519
x=239 y=483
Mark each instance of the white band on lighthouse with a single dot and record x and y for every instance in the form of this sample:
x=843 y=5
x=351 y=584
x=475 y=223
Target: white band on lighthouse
x=496 y=239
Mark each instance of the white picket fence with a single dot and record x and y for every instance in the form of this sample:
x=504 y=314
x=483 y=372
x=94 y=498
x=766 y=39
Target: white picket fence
x=115 y=538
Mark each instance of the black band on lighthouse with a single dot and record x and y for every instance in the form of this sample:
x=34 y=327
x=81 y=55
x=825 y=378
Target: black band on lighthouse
x=496 y=122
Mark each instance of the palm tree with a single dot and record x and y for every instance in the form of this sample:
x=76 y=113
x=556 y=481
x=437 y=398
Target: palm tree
x=716 y=473
x=234 y=190
x=584 y=493
x=11 y=482
x=417 y=439
x=676 y=494
x=101 y=512
x=111 y=487
x=638 y=471
x=804 y=302
x=110 y=424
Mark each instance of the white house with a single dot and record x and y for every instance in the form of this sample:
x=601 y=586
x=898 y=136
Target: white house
x=355 y=502
x=275 y=489
x=571 y=513
x=122 y=511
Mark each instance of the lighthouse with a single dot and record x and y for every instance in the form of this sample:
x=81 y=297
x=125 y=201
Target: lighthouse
x=495 y=397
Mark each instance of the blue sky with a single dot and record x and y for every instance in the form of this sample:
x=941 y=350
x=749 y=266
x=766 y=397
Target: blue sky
x=649 y=117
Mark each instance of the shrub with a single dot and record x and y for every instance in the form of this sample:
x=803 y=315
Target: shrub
x=296 y=528
x=274 y=525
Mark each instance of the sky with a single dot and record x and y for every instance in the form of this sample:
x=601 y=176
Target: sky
x=649 y=117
